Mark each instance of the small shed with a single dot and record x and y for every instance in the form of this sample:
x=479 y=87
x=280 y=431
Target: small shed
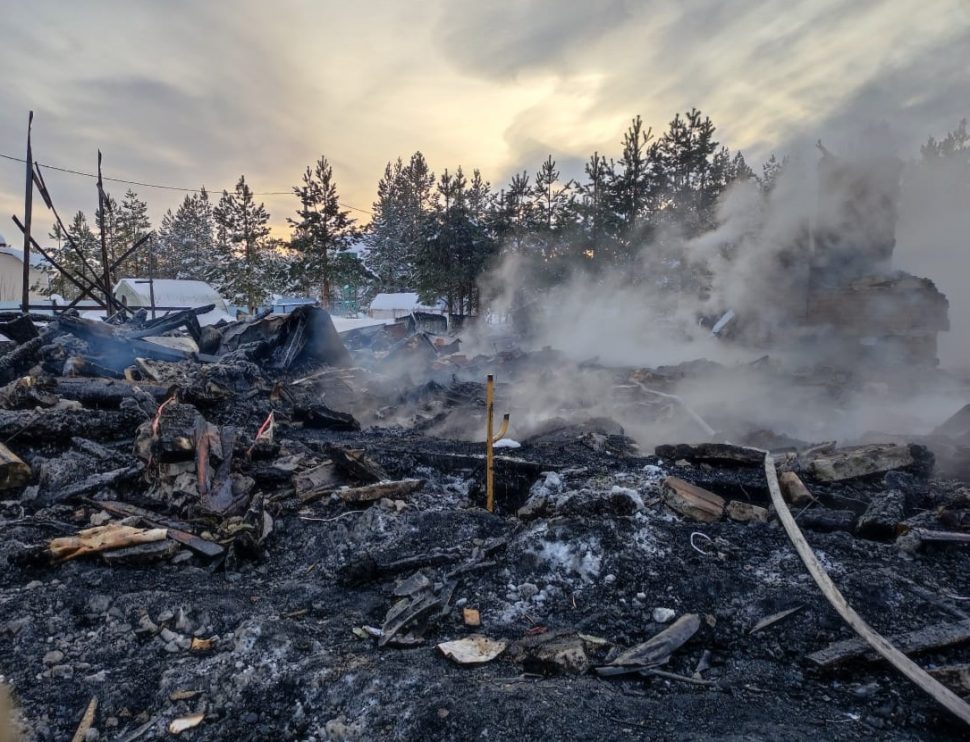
x=394 y=306
x=12 y=274
x=174 y=294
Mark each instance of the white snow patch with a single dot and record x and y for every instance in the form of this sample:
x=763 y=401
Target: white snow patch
x=550 y=485
x=506 y=443
x=571 y=558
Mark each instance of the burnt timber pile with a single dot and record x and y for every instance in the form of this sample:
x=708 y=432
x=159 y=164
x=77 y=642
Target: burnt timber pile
x=838 y=294
x=276 y=532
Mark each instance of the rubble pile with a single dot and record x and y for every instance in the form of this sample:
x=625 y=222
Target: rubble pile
x=264 y=530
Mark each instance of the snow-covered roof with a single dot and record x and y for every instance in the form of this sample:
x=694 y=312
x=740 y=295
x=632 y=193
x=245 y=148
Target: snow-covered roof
x=172 y=292
x=36 y=259
x=404 y=301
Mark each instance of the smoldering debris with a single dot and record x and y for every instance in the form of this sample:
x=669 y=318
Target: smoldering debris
x=270 y=530
x=267 y=525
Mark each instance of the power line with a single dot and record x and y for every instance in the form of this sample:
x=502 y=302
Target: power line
x=156 y=185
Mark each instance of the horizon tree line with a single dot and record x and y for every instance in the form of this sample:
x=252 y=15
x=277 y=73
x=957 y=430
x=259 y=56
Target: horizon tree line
x=438 y=234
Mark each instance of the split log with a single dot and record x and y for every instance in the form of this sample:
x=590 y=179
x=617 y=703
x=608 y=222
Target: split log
x=860 y=461
x=692 y=501
x=372 y=492
x=936 y=636
x=13 y=471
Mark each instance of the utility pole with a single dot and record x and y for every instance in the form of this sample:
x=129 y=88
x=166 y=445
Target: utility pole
x=28 y=209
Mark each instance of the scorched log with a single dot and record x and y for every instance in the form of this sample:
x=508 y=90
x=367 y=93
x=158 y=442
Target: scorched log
x=61 y=425
x=108 y=393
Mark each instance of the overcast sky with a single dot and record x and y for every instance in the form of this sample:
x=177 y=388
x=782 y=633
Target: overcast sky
x=186 y=93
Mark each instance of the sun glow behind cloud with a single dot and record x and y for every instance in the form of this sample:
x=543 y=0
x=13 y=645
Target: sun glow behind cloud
x=189 y=94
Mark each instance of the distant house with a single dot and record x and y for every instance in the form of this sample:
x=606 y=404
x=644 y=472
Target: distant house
x=173 y=294
x=394 y=306
x=12 y=274
x=286 y=304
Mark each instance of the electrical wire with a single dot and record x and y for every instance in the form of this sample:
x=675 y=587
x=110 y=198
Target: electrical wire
x=156 y=185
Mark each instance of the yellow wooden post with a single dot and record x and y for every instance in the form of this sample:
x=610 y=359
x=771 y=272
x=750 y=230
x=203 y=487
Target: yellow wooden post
x=489 y=454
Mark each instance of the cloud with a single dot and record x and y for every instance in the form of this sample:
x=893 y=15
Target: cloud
x=190 y=93
x=504 y=38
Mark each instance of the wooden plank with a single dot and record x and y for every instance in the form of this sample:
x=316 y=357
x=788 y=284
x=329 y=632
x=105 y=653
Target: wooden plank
x=177 y=530
x=859 y=461
x=936 y=636
x=693 y=501
x=372 y=492
x=936 y=690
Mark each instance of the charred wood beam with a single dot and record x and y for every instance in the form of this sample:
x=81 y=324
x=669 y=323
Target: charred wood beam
x=107 y=393
x=105 y=205
x=19 y=329
x=19 y=360
x=86 y=289
x=936 y=636
x=45 y=194
x=96 y=483
x=52 y=424
x=185 y=317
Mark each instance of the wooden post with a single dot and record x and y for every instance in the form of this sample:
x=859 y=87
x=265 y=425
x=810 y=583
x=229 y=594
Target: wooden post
x=489 y=451
x=103 y=205
x=151 y=276
x=28 y=209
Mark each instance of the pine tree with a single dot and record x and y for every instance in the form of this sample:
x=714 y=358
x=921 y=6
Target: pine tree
x=90 y=247
x=107 y=223
x=514 y=217
x=184 y=247
x=131 y=223
x=633 y=186
x=771 y=171
x=456 y=243
x=321 y=232
x=393 y=236
x=597 y=244
x=553 y=209
x=242 y=247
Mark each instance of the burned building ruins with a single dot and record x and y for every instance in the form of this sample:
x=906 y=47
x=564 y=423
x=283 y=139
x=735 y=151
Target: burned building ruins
x=266 y=529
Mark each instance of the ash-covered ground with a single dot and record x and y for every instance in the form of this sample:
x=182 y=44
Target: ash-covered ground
x=284 y=662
